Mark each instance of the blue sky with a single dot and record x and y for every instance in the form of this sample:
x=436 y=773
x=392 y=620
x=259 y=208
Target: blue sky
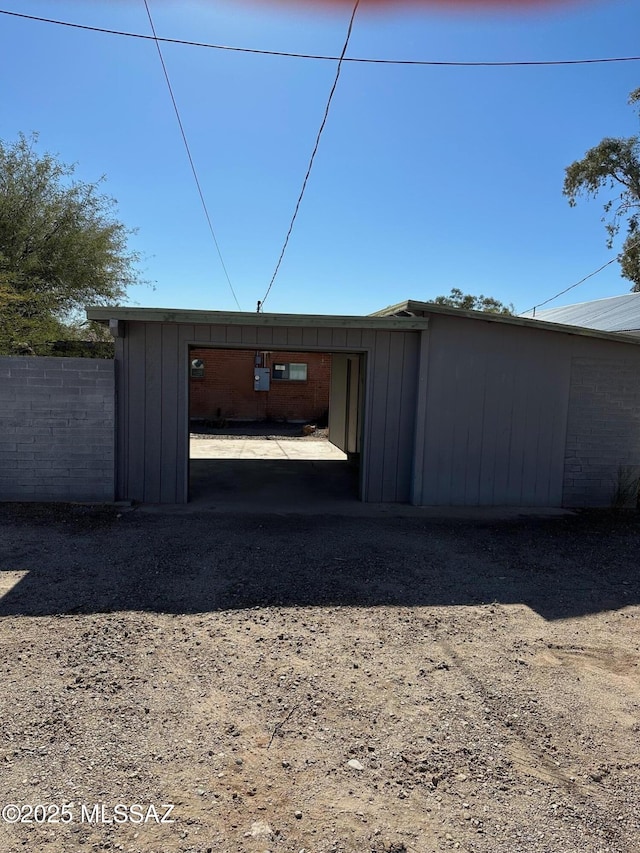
x=427 y=178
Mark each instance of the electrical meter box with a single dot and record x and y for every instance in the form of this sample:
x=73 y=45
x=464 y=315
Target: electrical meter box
x=261 y=378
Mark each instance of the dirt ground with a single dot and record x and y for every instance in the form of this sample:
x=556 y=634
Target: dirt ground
x=259 y=430
x=317 y=683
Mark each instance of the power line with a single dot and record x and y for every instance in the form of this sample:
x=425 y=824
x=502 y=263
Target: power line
x=324 y=57
x=188 y=150
x=313 y=154
x=567 y=289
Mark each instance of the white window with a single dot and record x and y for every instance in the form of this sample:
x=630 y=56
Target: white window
x=292 y=371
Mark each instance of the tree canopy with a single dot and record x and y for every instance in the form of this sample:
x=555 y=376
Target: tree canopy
x=61 y=247
x=613 y=164
x=458 y=299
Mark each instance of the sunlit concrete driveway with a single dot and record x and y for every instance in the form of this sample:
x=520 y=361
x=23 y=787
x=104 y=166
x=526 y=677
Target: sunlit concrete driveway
x=265 y=448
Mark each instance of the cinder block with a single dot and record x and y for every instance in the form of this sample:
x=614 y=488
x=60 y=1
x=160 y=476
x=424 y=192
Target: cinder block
x=22 y=456
x=39 y=432
x=603 y=429
x=99 y=437
x=71 y=364
x=81 y=382
x=9 y=464
x=43 y=382
x=13 y=362
x=47 y=405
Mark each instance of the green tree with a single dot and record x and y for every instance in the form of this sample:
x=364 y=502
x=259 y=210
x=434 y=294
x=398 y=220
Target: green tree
x=458 y=299
x=613 y=164
x=61 y=248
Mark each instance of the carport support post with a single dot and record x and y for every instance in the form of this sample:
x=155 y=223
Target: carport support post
x=417 y=473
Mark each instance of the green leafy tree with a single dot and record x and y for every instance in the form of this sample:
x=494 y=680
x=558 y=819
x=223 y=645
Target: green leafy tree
x=61 y=248
x=613 y=164
x=458 y=299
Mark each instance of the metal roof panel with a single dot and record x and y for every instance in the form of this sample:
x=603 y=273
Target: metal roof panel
x=613 y=314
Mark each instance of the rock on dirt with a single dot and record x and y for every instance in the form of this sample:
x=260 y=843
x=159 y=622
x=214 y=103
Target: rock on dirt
x=486 y=675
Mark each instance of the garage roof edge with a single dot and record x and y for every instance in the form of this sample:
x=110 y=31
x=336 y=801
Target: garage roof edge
x=411 y=305
x=226 y=318
x=387 y=318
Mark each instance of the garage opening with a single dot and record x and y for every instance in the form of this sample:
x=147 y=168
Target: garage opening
x=274 y=428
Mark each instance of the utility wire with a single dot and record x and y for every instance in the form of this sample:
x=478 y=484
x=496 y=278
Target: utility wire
x=323 y=57
x=188 y=150
x=313 y=154
x=342 y=58
x=567 y=289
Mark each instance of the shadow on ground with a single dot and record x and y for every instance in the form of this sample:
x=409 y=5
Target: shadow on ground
x=61 y=560
x=250 y=428
x=291 y=483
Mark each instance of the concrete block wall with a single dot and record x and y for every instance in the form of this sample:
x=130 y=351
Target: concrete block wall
x=227 y=387
x=57 y=429
x=603 y=432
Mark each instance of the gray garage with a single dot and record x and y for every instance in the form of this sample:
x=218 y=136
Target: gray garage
x=440 y=406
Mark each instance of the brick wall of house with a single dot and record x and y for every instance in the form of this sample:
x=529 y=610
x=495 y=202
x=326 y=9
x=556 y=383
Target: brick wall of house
x=57 y=431
x=226 y=389
x=603 y=433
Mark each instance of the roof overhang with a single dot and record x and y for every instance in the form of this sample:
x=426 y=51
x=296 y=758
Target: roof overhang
x=412 y=309
x=238 y=318
x=410 y=315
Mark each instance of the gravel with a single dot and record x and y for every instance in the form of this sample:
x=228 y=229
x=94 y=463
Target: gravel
x=324 y=684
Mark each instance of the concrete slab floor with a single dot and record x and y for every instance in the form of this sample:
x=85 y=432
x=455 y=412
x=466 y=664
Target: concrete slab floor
x=284 y=485
x=264 y=448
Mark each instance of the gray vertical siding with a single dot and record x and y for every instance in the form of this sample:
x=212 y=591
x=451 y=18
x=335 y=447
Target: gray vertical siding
x=499 y=416
x=122 y=439
x=137 y=415
x=185 y=334
x=152 y=404
x=467 y=412
x=390 y=416
x=170 y=424
x=153 y=408
x=495 y=415
x=401 y=383
x=152 y=450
